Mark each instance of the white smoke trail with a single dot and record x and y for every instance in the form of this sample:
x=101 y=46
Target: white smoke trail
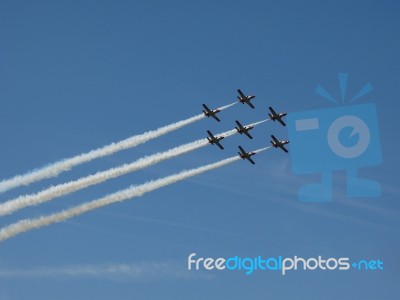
x=227 y=106
x=138 y=271
x=134 y=191
x=13 y=205
x=262 y=149
x=56 y=168
x=260 y=122
x=73 y=186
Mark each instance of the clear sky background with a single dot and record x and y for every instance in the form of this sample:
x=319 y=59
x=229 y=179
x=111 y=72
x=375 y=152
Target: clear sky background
x=76 y=75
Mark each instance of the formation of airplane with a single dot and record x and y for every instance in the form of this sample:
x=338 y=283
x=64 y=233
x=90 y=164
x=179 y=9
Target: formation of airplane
x=243 y=129
x=214 y=139
x=246 y=155
x=211 y=112
x=245 y=99
x=273 y=115
x=281 y=144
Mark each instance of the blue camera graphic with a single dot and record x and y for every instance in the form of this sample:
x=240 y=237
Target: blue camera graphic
x=339 y=138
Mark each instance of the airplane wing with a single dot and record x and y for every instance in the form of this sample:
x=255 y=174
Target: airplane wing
x=248 y=135
x=241 y=94
x=250 y=160
x=210 y=134
x=250 y=104
x=242 y=150
x=280 y=121
x=206 y=108
x=239 y=125
x=283 y=148
x=216 y=118
x=275 y=139
x=272 y=110
x=219 y=145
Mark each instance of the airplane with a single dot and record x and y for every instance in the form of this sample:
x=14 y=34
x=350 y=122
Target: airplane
x=211 y=112
x=276 y=143
x=243 y=129
x=274 y=116
x=246 y=155
x=245 y=99
x=214 y=139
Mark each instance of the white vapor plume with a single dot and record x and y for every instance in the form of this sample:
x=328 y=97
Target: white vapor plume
x=262 y=149
x=56 y=168
x=227 y=106
x=259 y=122
x=75 y=185
x=137 y=271
x=134 y=191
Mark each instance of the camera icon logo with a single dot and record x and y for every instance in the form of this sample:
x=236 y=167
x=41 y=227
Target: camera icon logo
x=338 y=138
x=358 y=126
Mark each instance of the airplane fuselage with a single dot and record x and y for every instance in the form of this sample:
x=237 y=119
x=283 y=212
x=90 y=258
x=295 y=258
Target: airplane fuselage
x=246 y=99
x=214 y=140
x=281 y=143
x=210 y=113
x=247 y=155
x=245 y=129
x=277 y=117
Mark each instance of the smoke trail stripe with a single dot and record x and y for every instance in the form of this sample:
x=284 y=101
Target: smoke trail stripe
x=48 y=194
x=134 y=191
x=56 y=168
x=13 y=205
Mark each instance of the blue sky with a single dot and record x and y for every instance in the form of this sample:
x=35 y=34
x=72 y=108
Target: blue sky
x=81 y=74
